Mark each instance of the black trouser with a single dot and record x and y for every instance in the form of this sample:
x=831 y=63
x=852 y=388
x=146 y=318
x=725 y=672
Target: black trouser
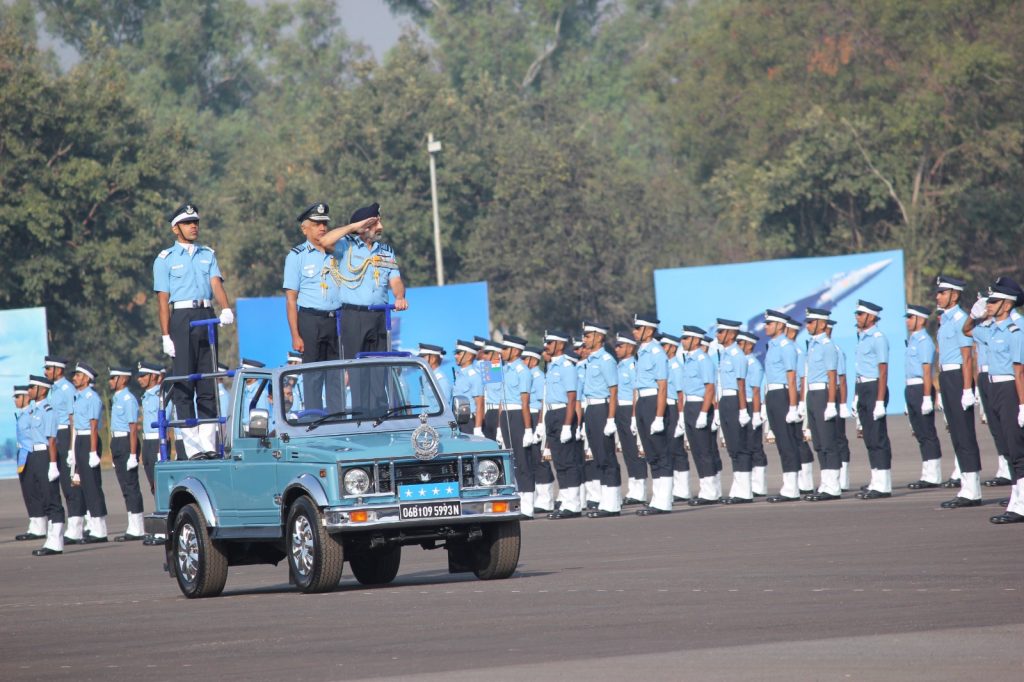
x=842 y=444
x=48 y=492
x=777 y=405
x=823 y=431
x=365 y=331
x=92 y=483
x=656 y=444
x=923 y=425
x=179 y=449
x=876 y=431
x=755 y=442
x=72 y=493
x=490 y=426
x=676 y=446
x=512 y=430
x=636 y=466
x=319 y=332
x=564 y=455
x=736 y=436
x=595 y=417
x=542 y=473
x=127 y=480
x=30 y=492
x=700 y=440
x=716 y=456
x=806 y=456
x=960 y=421
x=1003 y=397
x=193 y=354
x=150 y=454
x=998 y=436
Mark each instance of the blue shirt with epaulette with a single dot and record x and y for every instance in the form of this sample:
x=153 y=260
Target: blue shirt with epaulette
x=536 y=388
x=150 y=408
x=651 y=365
x=518 y=380
x=22 y=423
x=600 y=375
x=561 y=379
x=872 y=351
x=223 y=400
x=581 y=378
x=248 y=392
x=920 y=352
x=185 y=276
x=801 y=359
x=779 y=360
x=492 y=389
x=732 y=366
x=1005 y=346
x=42 y=423
x=698 y=371
x=62 y=398
x=366 y=271
x=469 y=383
x=822 y=358
x=755 y=378
x=443 y=385
x=313 y=274
x=951 y=336
x=124 y=410
x=87 y=407
x=675 y=375
x=627 y=379
x=840 y=363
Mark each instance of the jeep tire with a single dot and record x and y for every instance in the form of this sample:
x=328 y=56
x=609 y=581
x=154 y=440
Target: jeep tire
x=315 y=558
x=497 y=553
x=376 y=566
x=200 y=564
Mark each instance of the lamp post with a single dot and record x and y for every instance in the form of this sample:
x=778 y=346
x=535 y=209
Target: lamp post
x=434 y=146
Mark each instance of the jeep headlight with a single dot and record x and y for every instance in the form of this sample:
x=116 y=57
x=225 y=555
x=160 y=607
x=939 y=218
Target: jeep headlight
x=356 y=482
x=487 y=472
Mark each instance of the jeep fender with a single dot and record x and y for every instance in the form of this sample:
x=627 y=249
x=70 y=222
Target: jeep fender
x=309 y=485
x=194 y=489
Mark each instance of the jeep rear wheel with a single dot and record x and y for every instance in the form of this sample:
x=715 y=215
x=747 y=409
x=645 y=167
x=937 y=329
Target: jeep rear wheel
x=376 y=567
x=200 y=564
x=497 y=553
x=315 y=558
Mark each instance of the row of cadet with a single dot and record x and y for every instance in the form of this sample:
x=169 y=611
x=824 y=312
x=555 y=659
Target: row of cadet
x=660 y=399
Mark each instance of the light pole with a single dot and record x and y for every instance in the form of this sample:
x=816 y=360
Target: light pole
x=434 y=146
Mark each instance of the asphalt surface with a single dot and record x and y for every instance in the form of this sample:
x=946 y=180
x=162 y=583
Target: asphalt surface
x=845 y=590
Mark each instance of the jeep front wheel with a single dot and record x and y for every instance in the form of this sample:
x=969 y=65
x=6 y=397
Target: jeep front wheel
x=376 y=567
x=314 y=557
x=497 y=553
x=200 y=564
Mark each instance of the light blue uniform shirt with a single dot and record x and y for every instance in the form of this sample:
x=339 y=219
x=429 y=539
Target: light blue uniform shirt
x=248 y=391
x=581 y=377
x=42 y=423
x=22 y=424
x=62 y=398
x=920 y=351
x=755 y=377
x=779 y=360
x=492 y=389
x=536 y=388
x=150 y=407
x=651 y=365
x=600 y=375
x=698 y=371
x=87 y=406
x=951 y=336
x=982 y=355
x=367 y=285
x=518 y=380
x=675 y=375
x=469 y=383
x=801 y=360
x=223 y=400
x=627 y=379
x=124 y=410
x=821 y=359
x=444 y=386
x=298 y=395
x=732 y=366
x=872 y=351
x=561 y=379
x=185 y=277
x=1005 y=346
x=307 y=271
x=840 y=363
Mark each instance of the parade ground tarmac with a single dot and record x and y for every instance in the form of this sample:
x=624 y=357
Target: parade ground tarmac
x=895 y=589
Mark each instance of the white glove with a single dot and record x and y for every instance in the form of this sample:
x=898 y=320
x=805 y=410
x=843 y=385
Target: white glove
x=133 y=462
x=764 y=413
x=94 y=460
x=632 y=426
x=538 y=435
x=580 y=433
x=807 y=435
x=844 y=411
x=792 y=416
x=879 y=410
x=715 y=422
x=226 y=317
x=566 y=434
x=609 y=427
x=978 y=309
x=168 y=345
x=967 y=400
x=1020 y=416
x=478 y=431
x=926 y=405
x=53 y=473
x=938 y=404
x=680 y=429
x=702 y=421
x=831 y=412
x=528 y=439
x=500 y=439
x=658 y=425
x=744 y=418
x=977 y=396
x=801 y=409
x=71 y=459
x=856 y=398
x=757 y=421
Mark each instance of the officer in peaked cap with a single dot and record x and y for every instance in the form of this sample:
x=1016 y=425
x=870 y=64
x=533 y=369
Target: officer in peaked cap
x=625 y=422
x=920 y=394
x=674 y=426
x=651 y=402
x=600 y=401
x=822 y=410
x=842 y=444
x=780 y=364
x=62 y=398
x=872 y=397
x=433 y=355
x=733 y=410
x=754 y=388
x=469 y=383
x=516 y=419
x=561 y=382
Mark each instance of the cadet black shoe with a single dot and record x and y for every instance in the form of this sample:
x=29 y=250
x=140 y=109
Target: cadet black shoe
x=951 y=483
x=737 y=500
x=958 y=502
x=128 y=538
x=29 y=536
x=701 y=502
x=45 y=551
x=676 y=498
x=1005 y=502
x=921 y=485
x=760 y=494
x=152 y=540
x=821 y=497
x=1008 y=517
x=92 y=540
x=564 y=514
x=872 y=495
x=783 y=498
x=997 y=481
x=632 y=501
x=864 y=488
x=651 y=511
x=807 y=492
x=592 y=505
x=600 y=514
x=73 y=541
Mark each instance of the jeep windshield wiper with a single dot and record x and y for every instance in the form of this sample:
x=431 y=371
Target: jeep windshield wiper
x=327 y=417
x=393 y=411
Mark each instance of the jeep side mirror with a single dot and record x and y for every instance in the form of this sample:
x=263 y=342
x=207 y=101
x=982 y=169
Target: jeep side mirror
x=460 y=406
x=259 y=424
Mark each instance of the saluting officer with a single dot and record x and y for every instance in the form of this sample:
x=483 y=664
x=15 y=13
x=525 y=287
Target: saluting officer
x=673 y=423
x=872 y=397
x=560 y=384
x=469 y=383
x=651 y=401
x=754 y=390
x=625 y=421
x=124 y=449
x=919 y=396
x=149 y=378
x=42 y=464
x=699 y=396
x=62 y=398
x=29 y=491
x=600 y=400
x=433 y=355
x=86 y=416
x=543 y=477
x=842 y=444
x=955 y=386
x=516 y=422
x=734 y=418
x=186 y=277
x=780 y=363
x=822 y=410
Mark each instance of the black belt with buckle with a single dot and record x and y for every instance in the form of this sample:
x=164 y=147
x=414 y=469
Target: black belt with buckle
x=319 y=313
x=353 y=306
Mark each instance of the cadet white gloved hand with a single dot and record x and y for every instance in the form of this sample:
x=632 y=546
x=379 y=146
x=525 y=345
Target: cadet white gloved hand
x=528 y=438
x=71 y=459
x=566 y=434
x=702 y=421
x=609 y=427
x=226 y=317
x=744 y=417
x=844 y=411
x=926 y=405
x=499 y=438
x=632 y=426
x=478 y=431
x=967 y=400
x=879 y=410
x=757 y=421
x=168 y=345
x=538 y=434
x=1020 y=416
x=938 y=403
x=715 y=422
x=801 y=409
x=856 y=398
x=94 y=460
x=680 y=429
x=792 y=416
x=133 y=462
x=978 y=309
x=53 y=473
x=658 y=425
x=831 y=412
x=579 y=432
x=807 y=435
x=764 y=413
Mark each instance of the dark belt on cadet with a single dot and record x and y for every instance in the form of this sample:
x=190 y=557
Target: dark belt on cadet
x=363 y=308
x=318 y=313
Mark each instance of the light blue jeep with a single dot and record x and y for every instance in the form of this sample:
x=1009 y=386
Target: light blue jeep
x=352 y=461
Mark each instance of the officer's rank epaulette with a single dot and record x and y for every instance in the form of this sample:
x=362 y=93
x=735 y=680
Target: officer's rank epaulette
x=877 y=334
x=164 y=254
x=826 y=340
x=47 y=407
x=1013 y=328
x=208 y=249
x=783 y=342
x=297 y=249
x=386 y=247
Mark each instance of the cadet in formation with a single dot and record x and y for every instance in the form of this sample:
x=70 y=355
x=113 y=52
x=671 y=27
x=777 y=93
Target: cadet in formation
x=433 y=355
x=651 y=402
x=84 y=456
x=600 y=401
x=871 y=398
x=822 y=411
x=560 y=384
x=41 y=464
x=673 y=424
x=780 y=364
x=124 y=449
x=625 y=422
x=543 y=477
x=755 y=403
x=733 y=412
x=33 y=502
x=920 y=396
x=699 y=395
x=468 y=381
x=62 y=398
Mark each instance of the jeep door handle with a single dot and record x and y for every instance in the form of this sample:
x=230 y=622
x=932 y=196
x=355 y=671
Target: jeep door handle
x=237 y=458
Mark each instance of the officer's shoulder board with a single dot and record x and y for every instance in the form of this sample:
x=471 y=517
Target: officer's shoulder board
x=877 y=334
x=655 y=350
x=734 y=351
x=47 y=407
x=470 y=371
x=1013 y=328
x=297 y=249
x=64 y=387
x=207 y=248
x=783 y=342
x=164 y=254
x=520 y=368
x=386 y=248
x=958 y=315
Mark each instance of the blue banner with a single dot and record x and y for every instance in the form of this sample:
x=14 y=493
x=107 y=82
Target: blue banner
x=23 y=345
x=743 y=291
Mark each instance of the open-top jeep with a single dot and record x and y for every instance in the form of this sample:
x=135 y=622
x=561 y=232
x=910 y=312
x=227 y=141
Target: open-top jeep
x=352 y=461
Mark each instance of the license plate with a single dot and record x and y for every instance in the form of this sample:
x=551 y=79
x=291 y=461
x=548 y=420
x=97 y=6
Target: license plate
x=430 y=510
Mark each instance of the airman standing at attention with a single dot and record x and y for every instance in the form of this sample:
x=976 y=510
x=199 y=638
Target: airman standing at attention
x=651 y=401
x=585 y=454
x=781 y=402
x=62 y=398
x=543 y=477
x=805 y=479
x=674 y=426
x=433 y=355
x=732 y=410
x=842 y=444
x=124 y=449
x=149 y=378
x=712 y=350
x=601 y=399
x=30 y=492
x=492 y=352
x=919 y=396
x=42 y=464
x=822 y=408
x=86 y=415
x=560 y=385
x=625 y=422
x=516 y=420
x=699 y=396
x=470 y=383
x=872 y=397
x=754 y=389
